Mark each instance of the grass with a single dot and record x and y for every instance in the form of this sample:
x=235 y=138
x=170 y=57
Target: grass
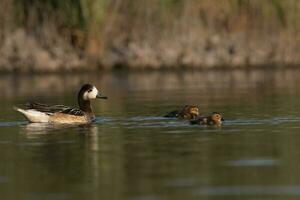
x=90 y=14
x=97 y=26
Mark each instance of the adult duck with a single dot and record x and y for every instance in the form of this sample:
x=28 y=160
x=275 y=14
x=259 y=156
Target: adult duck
x=43 y=113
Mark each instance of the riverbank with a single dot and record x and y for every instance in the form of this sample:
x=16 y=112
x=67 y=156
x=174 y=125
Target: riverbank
x=189 y=35
x=22 y=52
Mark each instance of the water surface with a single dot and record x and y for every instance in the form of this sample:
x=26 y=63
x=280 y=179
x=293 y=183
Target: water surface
x=132 y=153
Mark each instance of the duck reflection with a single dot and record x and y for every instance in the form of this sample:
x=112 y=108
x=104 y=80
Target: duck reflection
x=64 y=153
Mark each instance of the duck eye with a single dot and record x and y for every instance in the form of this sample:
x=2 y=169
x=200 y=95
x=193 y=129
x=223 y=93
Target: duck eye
x=90 y=90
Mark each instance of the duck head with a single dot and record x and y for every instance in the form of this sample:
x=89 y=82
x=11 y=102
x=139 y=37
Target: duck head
x=194 y=110
x=86 y=93
x=89 y=92
x=189 y=111
x=217 y=118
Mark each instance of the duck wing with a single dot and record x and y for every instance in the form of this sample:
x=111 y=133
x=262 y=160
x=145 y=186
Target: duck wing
x=50 y=109
x=73 y=111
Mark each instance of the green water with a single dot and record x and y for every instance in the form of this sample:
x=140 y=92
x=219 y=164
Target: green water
x=132 y=153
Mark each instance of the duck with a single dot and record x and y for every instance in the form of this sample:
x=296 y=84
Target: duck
x=187 y=112
x=215 y=118
x=43 y=113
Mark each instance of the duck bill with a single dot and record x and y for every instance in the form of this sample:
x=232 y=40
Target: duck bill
x=222 y=120
x=99 y=96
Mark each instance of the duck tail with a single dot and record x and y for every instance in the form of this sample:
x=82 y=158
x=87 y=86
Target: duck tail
x=17 y=109
x=33 y=115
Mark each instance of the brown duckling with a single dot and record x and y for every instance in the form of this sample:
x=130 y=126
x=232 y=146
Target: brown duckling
x=187 y=112
x=214 y=119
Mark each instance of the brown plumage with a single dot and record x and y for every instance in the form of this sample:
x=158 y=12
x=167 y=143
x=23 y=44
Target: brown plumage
x=187 y=112
x=214 y=119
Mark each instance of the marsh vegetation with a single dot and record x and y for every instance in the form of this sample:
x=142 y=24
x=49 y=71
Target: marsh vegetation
x=55 y=35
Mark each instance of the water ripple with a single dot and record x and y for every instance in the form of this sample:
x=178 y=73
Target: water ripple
x=16 y=123
x=252 y=162
x=271 y=121
x=157 y=122
x=278 y=190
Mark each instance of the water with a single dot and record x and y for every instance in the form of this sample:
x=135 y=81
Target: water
x=132 y=153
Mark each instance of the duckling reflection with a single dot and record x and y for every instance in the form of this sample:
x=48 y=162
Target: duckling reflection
x=214 y=119
x=187 y=112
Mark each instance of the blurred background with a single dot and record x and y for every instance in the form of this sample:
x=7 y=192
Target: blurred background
x=88 y=35
x=150 y=57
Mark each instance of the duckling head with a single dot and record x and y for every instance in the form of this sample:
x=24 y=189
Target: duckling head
x=89 y=92
x=194 y=110
x=189 y=112
x=217 y=118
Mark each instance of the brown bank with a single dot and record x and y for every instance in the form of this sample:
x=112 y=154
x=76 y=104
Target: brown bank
x=56 y=36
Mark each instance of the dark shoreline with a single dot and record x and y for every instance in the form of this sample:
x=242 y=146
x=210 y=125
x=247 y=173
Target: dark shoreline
x=58 y=83
x=126 y=69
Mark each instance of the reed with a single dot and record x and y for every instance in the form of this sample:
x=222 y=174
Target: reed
x=93 y=14
x=115 y=32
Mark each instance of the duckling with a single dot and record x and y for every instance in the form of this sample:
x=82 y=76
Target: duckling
x=187 y=112
x=214 y=119
x=42 y=113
